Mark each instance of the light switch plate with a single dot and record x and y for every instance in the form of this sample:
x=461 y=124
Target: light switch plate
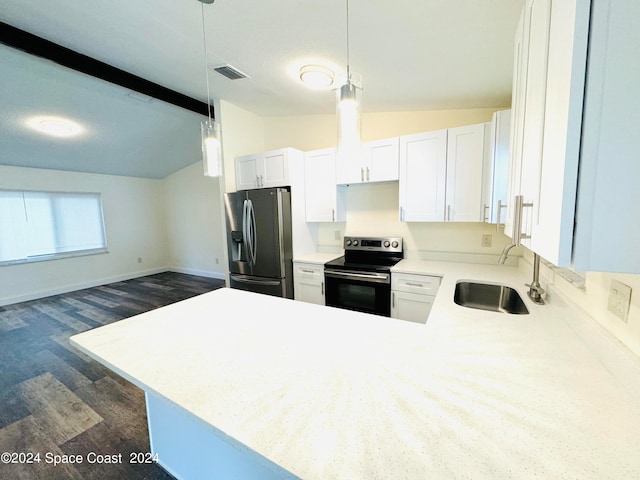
x=619 y=299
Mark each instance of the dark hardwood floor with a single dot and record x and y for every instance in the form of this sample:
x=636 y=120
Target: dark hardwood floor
x=56 y=402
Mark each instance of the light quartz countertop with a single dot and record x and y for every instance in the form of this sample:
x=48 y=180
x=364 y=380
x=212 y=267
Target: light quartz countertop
x=317 y=258
x=334 y=394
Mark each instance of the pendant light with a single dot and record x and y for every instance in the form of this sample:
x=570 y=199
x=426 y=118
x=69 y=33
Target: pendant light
x=348 y=113
x=210 y=129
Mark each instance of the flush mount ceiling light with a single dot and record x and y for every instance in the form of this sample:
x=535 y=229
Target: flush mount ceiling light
x=348 y=113
x=209 y=129
x=55 y=126
x=316 y=76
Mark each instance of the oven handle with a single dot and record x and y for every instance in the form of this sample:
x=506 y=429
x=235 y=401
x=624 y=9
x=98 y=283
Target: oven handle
x=376 y=277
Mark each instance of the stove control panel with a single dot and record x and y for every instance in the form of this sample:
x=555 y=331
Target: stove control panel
x=373 y=244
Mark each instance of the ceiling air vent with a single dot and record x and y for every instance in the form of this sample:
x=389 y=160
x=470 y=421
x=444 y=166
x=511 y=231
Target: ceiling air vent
x=230 y=72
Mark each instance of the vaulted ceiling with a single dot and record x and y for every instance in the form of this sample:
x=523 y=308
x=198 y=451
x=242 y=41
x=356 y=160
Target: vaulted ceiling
x=412 y=55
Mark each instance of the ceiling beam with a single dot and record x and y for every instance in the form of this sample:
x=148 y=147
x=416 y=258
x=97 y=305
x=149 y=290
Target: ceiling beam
x=30 y=43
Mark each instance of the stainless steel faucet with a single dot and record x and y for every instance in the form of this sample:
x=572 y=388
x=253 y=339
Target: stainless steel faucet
x=535 y=290
x=505 y=252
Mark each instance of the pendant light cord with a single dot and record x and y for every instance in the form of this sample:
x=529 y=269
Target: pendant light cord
x=206 y=70
x=348 y=61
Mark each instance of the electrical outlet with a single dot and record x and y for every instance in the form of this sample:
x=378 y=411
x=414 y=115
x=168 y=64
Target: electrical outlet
x=217 y=261
x=486 y=240
x=619 y=299
x=139 y=259
x=336 y=235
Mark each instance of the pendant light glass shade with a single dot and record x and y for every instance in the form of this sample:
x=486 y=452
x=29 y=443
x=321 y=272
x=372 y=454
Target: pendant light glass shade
x=349 y=121
x=211 y=151
x=348 y=111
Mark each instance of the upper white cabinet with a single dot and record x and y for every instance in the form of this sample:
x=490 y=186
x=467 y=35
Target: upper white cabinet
x=465 y=156
x=423 y=171
x=496 y=168
x=378 y=163
x=323 y=199
x=548 y=88
x=441 y=175
x=263 y=170
x=608 y=201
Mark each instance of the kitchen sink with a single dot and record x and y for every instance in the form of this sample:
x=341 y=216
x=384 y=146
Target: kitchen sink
x=485 y=296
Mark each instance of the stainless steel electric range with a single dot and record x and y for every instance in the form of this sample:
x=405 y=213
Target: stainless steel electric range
x=361 y=279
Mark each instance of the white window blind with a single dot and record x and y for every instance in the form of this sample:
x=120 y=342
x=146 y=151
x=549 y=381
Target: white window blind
x=37 y=225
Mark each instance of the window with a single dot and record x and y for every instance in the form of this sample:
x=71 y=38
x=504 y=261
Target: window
x=45 y=225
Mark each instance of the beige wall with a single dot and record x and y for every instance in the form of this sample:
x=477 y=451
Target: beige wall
x=593 y=299
x=243 y=133
x=311 y=132
x=134 y=223
x=194 y=222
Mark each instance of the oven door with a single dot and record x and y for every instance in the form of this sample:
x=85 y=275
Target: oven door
x=368 y=292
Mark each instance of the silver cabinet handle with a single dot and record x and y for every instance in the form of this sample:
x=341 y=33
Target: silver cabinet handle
x=402 y=214
x=257 y=181
x=333 y=215
x=361 y=174
x=306 y=271
x=413 y=284
x=500 y=207
x=448 y=213
x=367 y=174
x=261 y=181
x=485 y=217
x=393 y=299
x=322 y=288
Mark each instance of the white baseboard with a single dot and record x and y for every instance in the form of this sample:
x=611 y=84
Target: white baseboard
x=200 y=273
x=79 y=286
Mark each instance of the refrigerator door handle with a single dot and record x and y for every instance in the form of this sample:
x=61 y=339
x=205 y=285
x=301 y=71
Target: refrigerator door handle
x=241 y=279
x=252 y=235
x=245 y=229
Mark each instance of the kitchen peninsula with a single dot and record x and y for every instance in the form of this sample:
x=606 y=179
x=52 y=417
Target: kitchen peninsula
x=242 y=385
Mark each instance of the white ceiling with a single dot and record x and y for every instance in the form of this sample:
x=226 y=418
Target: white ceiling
x=412 y=55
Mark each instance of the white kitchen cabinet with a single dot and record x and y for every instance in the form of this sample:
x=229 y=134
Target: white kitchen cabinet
x=263 y=170
x=378 y=162
x=308 y=283
x=496 y=168
x=422 y=182
x=548 y=96
x=465 y=157
x=441 y=175
x=324 y=201
x=608 y=200
x=412 y=296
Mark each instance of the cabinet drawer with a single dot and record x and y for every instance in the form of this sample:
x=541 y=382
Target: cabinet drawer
x=309 y=271
x=411 y=283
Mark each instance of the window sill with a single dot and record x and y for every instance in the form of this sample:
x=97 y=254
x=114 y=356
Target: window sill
x=55 y=256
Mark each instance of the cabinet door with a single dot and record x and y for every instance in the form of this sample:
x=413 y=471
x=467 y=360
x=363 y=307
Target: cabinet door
x=309 y=283
x=608 y=210
x=247 y=172
x=465 y=155
x=497 y=167
x=423 y=169
x=411 y=306
x=349 y=167
x=554 y=207
x=539 y=13
x=517 y=121
x=380 y=159
x=274 y=169
x=320 y=185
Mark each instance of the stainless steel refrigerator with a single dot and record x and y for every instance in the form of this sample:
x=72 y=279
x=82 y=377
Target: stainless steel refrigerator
x=259 y=241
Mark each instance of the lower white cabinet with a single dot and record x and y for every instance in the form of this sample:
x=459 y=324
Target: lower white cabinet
x=308 y=283
x=412 y=296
